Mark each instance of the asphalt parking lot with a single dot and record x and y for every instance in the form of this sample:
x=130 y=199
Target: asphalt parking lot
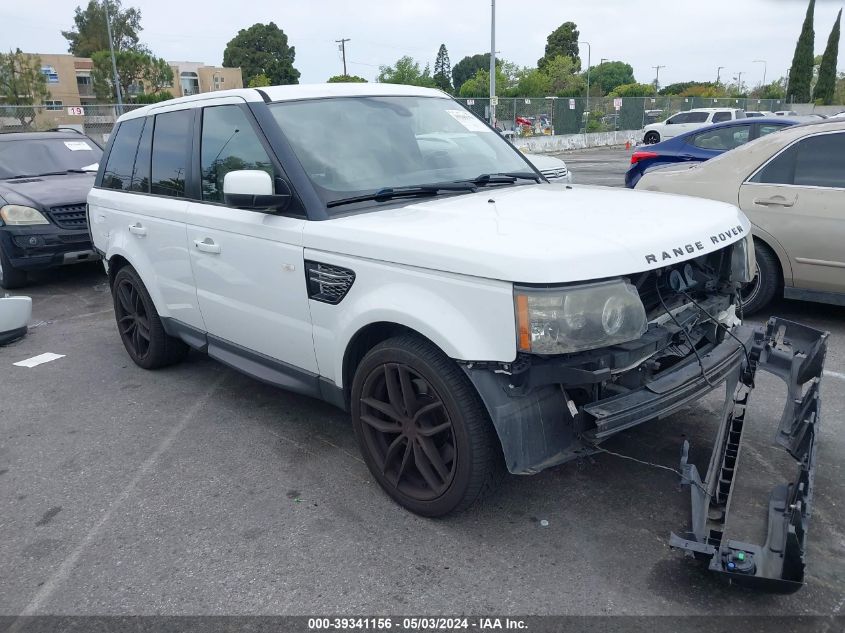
x=196 y=490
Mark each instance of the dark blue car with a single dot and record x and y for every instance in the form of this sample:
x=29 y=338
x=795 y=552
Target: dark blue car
x=701 y=144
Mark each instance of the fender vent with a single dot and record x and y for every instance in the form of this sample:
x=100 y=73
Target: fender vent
x=327 y=283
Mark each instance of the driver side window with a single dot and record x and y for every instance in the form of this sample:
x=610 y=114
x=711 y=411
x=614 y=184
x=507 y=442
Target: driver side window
x=228 y=143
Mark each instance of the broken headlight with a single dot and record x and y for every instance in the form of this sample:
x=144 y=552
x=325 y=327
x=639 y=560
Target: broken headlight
x=577 y=318
x=743 y=262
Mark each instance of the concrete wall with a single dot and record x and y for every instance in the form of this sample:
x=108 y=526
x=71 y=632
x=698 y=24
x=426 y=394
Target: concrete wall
x=561 y=143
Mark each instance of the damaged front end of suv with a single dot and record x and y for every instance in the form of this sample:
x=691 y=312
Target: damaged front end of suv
x=598 y=358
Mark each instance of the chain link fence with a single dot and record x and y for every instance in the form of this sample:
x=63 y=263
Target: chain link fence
x=563 y=115
x=520 y=116
x=94 y=120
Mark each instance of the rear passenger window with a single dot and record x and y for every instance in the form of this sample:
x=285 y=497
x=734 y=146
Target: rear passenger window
x=171 y=135
x=768 y=129
x=229 y=143
x=141 y=171
x=817 y=161
x=697 y=117
x=118 y=171
x=721 y=116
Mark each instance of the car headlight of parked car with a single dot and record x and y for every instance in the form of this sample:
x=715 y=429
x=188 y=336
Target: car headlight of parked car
x=577 y=318
x=743 y=262
x=18 y=215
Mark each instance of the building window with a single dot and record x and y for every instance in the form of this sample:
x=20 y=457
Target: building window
x=50 y=74
x=53 y=105
x=190 y=83
x=83 y=80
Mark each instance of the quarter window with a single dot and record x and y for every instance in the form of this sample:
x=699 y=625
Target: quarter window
x=119 y=167
x=170 y=153
x=721 y=116
x=229 y=143
x=768 y=129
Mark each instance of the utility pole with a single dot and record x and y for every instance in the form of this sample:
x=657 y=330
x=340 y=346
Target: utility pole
x=719 y=74
x=739 y=82
x=113 y=62
x=587 y=103
x=657 y=78
x=765 y=67
x=342 y=41
x=493 y=63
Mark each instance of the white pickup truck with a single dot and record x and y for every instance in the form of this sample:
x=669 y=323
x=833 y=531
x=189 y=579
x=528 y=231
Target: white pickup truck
x=337 y=241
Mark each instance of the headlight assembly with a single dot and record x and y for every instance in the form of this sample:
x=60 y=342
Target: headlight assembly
x=17 y=215
x=577 y=318
x=743 y=262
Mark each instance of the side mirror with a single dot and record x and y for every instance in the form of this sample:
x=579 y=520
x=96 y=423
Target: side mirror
x=253 y=189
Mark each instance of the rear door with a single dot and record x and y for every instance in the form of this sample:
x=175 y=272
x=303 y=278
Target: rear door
x=799 y=197
x=711 y=142
x=139 y=208
x=248 y=265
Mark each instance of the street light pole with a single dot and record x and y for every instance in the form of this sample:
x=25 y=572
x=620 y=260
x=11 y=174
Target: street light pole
x=719 y=74
x=493 y=62
x=587 y=105
x=765 y=66
x=113 y=62
x=657 y=78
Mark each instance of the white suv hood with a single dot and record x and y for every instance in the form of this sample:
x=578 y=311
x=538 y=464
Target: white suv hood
x=543 y=233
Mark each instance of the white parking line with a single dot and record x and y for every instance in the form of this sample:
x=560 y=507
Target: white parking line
x=38 y=360
x=834 y=374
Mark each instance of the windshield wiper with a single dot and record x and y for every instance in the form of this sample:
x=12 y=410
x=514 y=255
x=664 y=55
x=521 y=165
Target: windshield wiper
x=507 y=177
x=52 y=173
x=388 y=193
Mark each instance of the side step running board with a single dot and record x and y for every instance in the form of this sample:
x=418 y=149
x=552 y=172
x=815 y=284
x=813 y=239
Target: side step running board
x=796 y=354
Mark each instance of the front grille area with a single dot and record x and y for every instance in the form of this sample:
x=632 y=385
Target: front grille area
x=71 y=216
x=554 y=173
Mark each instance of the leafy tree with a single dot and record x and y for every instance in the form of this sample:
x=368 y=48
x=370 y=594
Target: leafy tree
x=678 y=88
x=633 y=90
x=562 y=41
x=468 y=67
x=611 y=74
x=532 y=82
x=801 y=72
x=479 y=85
x=705 y=90
x=774 y=90
x=164 y=95
x=259 y=81
x=443 y=70
x=346 y=79
x=262 y=49
x=91 y=34
x=22 y=84
x=406 y=71
x=564 y=80
x=136 y=71
x=839 y=93
x=826 y=84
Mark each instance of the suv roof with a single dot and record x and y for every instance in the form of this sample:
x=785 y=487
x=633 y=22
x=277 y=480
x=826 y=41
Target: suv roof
x=712 y=110
x=293 y=92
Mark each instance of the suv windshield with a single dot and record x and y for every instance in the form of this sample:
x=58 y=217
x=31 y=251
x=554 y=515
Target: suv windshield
x=352 y=146
x=39 y=156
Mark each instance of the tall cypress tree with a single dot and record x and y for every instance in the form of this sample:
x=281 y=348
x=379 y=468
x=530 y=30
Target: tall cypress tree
x=443 y=70
x=801 y=73
x=826 y=84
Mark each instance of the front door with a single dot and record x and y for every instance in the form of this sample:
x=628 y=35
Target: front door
x=799 y=197
x=248 y=265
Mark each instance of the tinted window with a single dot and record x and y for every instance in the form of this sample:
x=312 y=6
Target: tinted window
x=721 y=116
x=229 y=143
x=118 y=171
x=683 y=117
x=141 y=170
x=170 y=152
x=697 y=117
x=722 y=138
x=768 y=129
x=818 y=161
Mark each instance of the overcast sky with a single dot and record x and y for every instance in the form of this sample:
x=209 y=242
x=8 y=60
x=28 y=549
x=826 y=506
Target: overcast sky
x=691 y=39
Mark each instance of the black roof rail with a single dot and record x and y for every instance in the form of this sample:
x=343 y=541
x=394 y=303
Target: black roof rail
x=65 y=129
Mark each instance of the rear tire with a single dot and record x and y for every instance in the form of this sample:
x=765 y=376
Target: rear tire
x=422 y=428
x=651 y=138
x=11 y=277
x=759 y=293
x=140 y=327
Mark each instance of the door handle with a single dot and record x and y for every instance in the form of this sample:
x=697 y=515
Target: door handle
x=207 y=245
x=137 y=229
x=775 y=201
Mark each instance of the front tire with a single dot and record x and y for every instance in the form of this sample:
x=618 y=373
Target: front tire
x=651 y=138
x=139 y=325
x=422 y=428
x=762 y=289
x=10 y=277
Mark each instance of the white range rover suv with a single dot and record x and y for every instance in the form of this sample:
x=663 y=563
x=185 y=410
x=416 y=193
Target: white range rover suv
x=469 y=315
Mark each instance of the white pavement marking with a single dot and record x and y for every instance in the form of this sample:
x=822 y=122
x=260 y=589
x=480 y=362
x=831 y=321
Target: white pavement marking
x=66 y=568
x=38 y=360
x=834 y=374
